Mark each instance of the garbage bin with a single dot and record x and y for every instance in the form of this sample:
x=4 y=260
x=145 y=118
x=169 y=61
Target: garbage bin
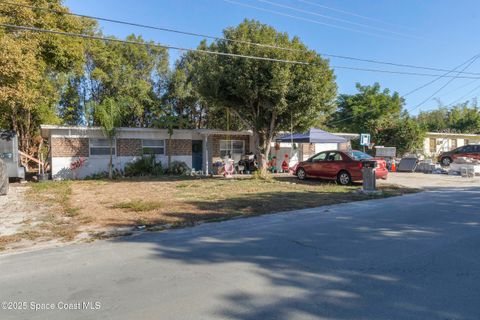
x=3 y=178
x=368 y=175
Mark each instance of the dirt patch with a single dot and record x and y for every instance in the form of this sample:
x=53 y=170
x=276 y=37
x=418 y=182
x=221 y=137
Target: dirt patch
x=22 y=220
x=68 y=211
x=15 y=212
x=186 y=201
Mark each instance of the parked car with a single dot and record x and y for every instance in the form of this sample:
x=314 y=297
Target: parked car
x=469 y=151
x=342 y=166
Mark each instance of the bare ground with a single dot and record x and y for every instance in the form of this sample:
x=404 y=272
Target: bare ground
x=66 y=211
x=21 y=219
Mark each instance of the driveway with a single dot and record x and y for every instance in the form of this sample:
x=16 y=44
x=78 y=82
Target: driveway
x=429 y=181
x=408 y=257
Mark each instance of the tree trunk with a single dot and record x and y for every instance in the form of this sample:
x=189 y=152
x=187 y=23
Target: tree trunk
x=261 y=145
x=110 y=163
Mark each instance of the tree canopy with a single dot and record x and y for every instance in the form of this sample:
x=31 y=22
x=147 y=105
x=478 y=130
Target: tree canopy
x=367 y=110
x=462 y=118
x=32 y=65
x=55 y=79
x=266 y=96
x=380 y=113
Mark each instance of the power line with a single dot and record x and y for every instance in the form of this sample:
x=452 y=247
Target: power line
x=86 y=36
x=462 y=97
x=227 y=54
x=403 y=72
x=460 y=87
x=235 y=55
x=335 y=19
x=470 y=62
x=353 y=14
x=306 y=19
x=226 y=39
x=436 y=79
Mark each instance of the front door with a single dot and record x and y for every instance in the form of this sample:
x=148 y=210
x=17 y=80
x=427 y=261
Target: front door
x=197 y=155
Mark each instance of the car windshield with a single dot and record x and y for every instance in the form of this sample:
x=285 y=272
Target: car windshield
x=358 y=155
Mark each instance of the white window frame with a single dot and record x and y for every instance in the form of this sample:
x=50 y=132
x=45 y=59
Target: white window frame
x=231 y=146
x=102 y=155
x=155 y=146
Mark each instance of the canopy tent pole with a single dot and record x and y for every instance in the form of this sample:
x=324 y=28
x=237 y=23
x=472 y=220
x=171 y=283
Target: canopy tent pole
x=291 y=136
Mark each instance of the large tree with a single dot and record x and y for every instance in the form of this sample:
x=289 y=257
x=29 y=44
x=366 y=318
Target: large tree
x=404 y=133
x=367 y=110
x=379 y=113
x=32 y=65
x=132 y=73
x=182 y=99
x=266 y=96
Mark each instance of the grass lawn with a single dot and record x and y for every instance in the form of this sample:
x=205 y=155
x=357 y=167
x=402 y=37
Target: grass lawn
x=184 y=201
x=96 y=206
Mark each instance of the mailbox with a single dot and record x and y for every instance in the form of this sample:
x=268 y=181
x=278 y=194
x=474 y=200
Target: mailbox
x=368 y=175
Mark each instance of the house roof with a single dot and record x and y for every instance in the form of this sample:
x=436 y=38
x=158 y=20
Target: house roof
x=312 y=136
x=47 y=130
x=452 y=135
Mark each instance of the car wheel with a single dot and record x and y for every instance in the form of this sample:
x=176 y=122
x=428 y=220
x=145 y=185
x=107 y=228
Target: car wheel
x=446 y=161
x=301 y=174
x=344 y=178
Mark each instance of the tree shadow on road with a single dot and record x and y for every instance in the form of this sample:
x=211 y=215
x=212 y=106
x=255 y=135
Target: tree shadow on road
x=367 y=262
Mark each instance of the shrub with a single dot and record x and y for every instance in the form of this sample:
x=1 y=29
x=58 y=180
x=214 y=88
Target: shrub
x=145 y=166
x=178 y=168
x=116 y=174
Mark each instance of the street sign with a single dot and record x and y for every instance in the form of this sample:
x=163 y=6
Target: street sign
x=365 y=139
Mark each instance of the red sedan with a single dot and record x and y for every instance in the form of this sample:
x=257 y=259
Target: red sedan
x=342 y=166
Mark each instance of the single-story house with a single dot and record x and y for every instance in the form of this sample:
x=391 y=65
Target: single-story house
x=198 y=148
x=437 y=142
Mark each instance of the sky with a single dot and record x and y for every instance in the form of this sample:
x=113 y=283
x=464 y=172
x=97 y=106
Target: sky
x=428 y=33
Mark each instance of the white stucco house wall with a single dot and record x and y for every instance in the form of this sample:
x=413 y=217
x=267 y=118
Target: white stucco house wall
x=435 y=143
x=196 y=147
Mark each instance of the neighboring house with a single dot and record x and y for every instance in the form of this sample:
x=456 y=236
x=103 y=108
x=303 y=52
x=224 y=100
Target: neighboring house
x=197 y=148
x=436 y=142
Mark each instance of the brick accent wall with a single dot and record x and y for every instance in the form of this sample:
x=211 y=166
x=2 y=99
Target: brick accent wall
x=69 y=147
x=129 y=147
x=216 y=142
x=179 y=147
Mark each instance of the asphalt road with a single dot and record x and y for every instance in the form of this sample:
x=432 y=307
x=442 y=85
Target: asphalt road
x=410 y=257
